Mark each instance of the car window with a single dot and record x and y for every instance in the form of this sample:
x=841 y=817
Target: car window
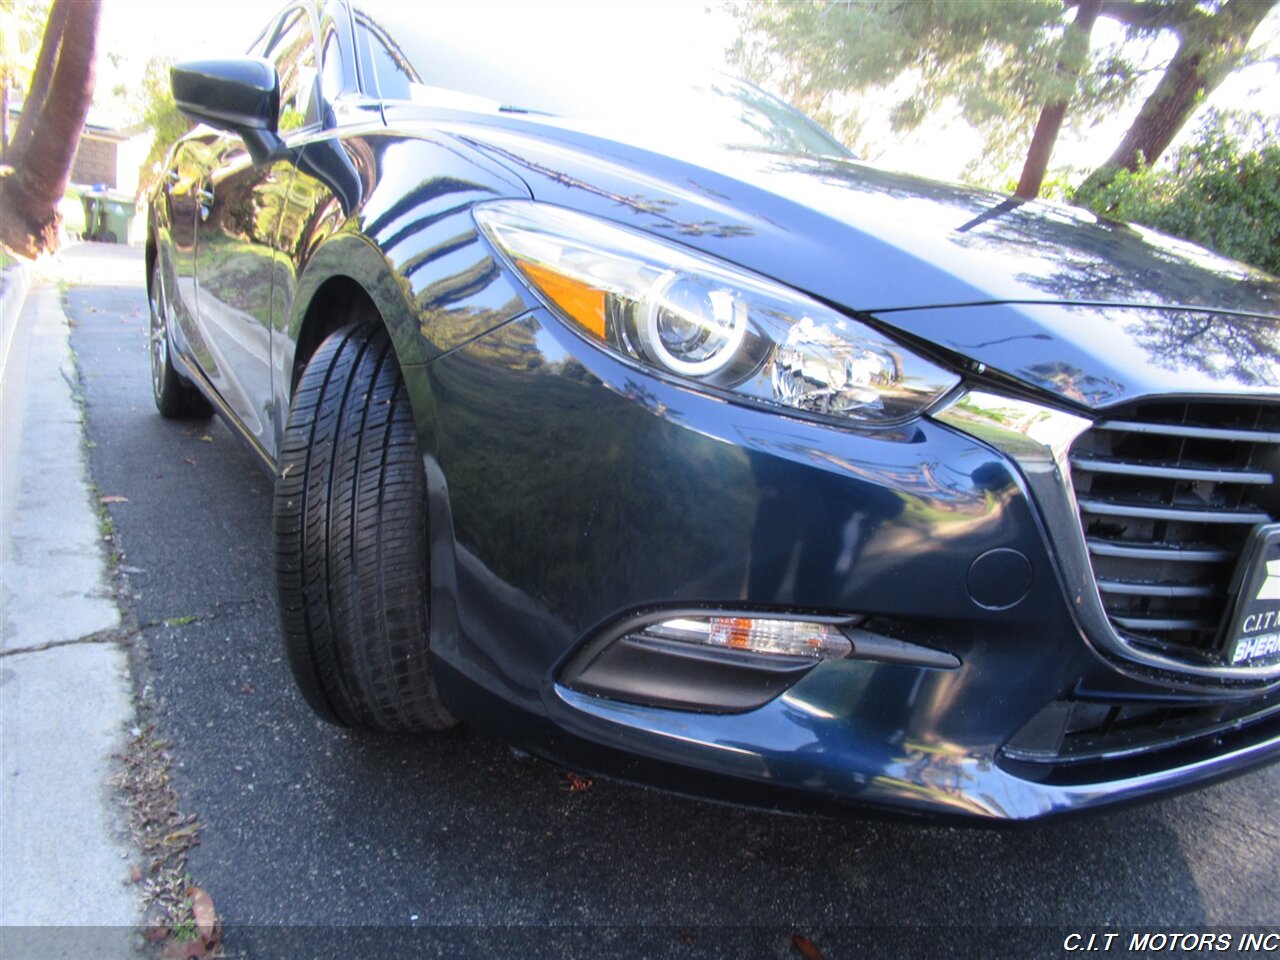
x=294 y=55
x=259 y=45
x=393 y=76
x=337 y=74
x=332 y=79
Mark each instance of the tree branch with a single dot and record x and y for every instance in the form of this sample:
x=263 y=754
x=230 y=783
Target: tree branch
x=33 y=102
x=1146 y=14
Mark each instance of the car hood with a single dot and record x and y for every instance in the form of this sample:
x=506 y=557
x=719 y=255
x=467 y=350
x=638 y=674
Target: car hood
x=1095 y=311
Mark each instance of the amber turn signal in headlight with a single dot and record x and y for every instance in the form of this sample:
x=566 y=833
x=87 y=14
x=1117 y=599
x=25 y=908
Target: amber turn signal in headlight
x=709 y=323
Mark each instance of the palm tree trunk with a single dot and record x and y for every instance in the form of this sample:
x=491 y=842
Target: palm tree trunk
x=29 y=197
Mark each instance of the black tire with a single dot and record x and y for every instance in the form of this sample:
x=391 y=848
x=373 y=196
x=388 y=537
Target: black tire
x=350 y=532
x=176 y=397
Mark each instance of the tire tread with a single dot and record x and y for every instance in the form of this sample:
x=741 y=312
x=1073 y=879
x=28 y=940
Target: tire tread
x=350 y=536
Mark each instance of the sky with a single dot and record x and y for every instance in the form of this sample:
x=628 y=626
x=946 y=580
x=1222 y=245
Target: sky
x=655 y=32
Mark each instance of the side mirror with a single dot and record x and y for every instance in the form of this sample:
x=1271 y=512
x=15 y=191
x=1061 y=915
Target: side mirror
x=240 y=94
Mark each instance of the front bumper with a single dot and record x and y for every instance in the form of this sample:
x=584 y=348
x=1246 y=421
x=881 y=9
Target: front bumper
x=569 y=490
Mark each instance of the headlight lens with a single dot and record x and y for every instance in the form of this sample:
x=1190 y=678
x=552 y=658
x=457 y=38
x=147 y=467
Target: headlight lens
x=703 y=321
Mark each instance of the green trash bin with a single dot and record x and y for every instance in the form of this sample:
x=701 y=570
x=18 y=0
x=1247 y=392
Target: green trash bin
x=107 y=219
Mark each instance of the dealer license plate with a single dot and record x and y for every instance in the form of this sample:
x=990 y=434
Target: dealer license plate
x=1254 y=636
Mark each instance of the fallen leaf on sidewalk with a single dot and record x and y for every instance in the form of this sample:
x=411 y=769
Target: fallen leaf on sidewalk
x=208 y=930
x=181 y=832
x=113 y=498
x=135 y=873
x=207 y=927
x=189 y=460
x=806 y=947
x=574 y=783
x=206 y=439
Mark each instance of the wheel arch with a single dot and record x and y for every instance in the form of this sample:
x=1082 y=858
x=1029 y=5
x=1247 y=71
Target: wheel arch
x=341 y=273
x=346 y=271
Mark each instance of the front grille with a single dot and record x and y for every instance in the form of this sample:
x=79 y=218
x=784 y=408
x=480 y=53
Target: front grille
x=1168 y=494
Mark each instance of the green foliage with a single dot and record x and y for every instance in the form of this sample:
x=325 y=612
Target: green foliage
x=1221 y=190
x=153 y=107
x=21 y=29
x=995 y=62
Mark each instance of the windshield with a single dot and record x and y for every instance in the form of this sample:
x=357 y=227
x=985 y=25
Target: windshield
x=517 y=62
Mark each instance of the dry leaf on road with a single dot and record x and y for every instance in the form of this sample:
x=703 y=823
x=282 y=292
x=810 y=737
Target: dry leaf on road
x=205 y=916
x=806 y=947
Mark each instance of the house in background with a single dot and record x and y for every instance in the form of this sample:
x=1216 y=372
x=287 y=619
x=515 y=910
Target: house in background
x=109 y=155
x=98 y=156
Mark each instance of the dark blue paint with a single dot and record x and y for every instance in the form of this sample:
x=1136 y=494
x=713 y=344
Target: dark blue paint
x=568 y=490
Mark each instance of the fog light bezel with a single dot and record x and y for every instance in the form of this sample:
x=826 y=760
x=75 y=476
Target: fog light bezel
x=620 y=663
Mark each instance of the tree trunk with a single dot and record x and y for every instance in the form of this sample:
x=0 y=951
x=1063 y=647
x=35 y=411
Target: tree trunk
x=1042 y=143
x=1075 y=54
x=29 y=197
x=33 y=103
x=4 y=117
x=1210 y=48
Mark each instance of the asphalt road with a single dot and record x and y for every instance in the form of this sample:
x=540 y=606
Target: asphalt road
x=321 y=842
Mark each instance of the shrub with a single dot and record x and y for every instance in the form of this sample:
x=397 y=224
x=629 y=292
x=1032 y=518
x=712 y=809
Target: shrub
x=1222 y=189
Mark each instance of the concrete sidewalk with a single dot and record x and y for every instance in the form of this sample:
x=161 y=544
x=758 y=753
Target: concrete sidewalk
x=65 y=695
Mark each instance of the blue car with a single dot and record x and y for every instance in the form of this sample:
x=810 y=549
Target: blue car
x=642 y=426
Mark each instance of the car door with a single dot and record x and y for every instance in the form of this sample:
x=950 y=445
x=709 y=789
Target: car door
x=238 y=208
x=182 y=178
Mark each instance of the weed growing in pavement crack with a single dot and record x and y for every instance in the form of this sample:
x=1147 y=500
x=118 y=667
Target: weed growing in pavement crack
x=164 y=835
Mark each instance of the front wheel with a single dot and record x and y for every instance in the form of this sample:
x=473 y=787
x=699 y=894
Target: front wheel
x=351 y=541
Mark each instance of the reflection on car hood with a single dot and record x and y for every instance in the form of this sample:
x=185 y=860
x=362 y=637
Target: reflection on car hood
x=890 y=245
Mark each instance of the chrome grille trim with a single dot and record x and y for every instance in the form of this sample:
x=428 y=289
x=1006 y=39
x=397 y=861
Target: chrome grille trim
x=1198 y=480
x=1097 y=465
x=1141 y=589
x=1037 y=439
x=1109 y=508
x=1162 y=552
x=1195 y=432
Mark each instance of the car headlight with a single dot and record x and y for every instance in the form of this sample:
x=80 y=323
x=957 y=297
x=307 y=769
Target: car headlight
x=706 y=322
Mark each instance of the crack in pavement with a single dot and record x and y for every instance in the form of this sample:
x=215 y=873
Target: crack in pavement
x=104 y=636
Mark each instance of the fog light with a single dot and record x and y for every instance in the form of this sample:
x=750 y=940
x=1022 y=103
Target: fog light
x=786 y=638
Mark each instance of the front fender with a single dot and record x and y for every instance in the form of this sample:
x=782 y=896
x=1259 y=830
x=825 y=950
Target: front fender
x=392 y=212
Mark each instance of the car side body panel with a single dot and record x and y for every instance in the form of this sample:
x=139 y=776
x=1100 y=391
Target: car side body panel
x=239 y=207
